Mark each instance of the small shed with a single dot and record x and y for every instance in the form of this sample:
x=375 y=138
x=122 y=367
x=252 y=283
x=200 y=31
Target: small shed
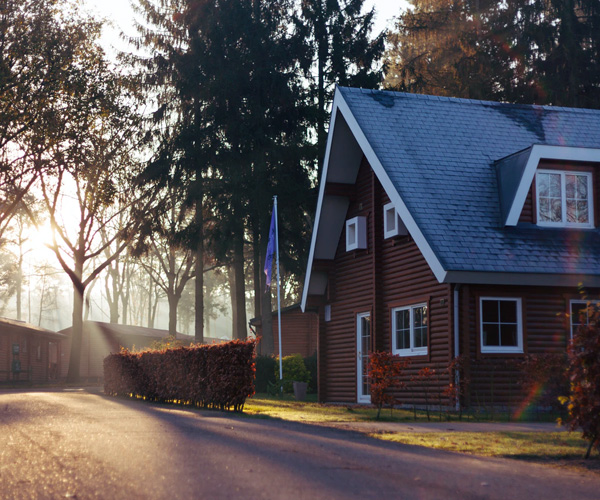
x=298 y=331
x=29 y=353
x=100 y=339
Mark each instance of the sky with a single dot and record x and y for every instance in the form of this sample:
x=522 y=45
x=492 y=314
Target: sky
x=119 y=12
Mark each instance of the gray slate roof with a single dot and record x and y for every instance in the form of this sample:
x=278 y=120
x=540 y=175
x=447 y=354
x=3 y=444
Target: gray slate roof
x=440 y=154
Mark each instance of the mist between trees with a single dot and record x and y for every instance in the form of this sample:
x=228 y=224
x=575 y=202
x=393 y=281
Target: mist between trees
x=152 y=178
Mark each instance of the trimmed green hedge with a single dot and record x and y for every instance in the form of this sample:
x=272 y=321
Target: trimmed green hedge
x=209 y=376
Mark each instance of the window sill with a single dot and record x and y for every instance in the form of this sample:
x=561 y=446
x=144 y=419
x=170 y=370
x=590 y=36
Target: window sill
x=410 y=354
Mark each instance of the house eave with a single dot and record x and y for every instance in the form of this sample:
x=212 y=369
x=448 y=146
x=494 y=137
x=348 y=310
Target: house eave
x=522 y=279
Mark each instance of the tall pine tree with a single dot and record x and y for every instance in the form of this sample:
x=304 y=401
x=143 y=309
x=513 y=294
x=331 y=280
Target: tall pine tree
x=227 y=74
x=344 y=53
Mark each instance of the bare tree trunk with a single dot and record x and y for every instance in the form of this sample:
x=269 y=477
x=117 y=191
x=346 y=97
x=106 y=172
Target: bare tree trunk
x=199 y=284
x=19 y=283
x=257 y=269
x=267 y=344
x=240 y=327
x=42 y=294
x=232 y=295
x=150 y=305
x=126 y=290
x=173 y=302
x=87 y=295
x=77 y=329
x=112 y=293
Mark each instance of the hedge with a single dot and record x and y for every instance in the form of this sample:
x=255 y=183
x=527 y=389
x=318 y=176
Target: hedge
x=208 y=376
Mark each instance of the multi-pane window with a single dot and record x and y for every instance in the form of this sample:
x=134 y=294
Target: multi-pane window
x=564 y=198
x=501 y=325
x=409 y=330
x=579 y=313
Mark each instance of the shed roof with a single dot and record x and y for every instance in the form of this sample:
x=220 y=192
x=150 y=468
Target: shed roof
x=16 y=326
x=131 y=330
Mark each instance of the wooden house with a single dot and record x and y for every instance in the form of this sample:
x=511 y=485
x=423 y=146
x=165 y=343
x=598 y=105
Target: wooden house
x=451 y=229
x=29 y=353
x=298 y=331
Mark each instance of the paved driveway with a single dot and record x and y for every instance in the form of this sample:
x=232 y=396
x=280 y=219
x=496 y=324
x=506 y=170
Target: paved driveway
x=80 y=444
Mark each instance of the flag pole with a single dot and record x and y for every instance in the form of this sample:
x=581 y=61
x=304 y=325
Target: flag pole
x=278 y=294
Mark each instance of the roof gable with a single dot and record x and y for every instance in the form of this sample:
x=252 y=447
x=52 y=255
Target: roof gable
x=458 y=172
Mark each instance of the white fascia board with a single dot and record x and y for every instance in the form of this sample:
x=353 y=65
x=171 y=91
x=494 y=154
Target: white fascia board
x=322 y=181
x=395 y=198
x=543 y=152
x=522 y=279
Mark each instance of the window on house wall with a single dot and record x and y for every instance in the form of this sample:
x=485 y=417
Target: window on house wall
x=327 y=312
x=356 y=233
x=579 y=313
x=392 y=224
x=409 y=330
x=501 y=325
x=564 y=198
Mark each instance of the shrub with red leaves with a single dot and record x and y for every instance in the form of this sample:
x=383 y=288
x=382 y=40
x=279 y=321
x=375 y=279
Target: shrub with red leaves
x=545 y=377
x=208 y=376
x=384 y=370
x=583 y=402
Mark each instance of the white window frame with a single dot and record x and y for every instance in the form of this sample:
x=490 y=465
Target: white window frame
x=356 y=233
x=327 y=312
x=595 y=303
x=412 y=350
x=563 y=196
x=397 y=228
x=518 y=349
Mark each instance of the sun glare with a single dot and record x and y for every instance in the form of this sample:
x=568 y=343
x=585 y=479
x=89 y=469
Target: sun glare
x=38 y=238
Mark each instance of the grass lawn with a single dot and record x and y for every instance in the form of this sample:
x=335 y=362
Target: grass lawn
x=556 y=448
x=559 y=449
x=286 y=408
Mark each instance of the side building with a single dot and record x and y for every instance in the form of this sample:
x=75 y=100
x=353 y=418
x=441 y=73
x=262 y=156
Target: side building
x=298 y=331
x=29 y=353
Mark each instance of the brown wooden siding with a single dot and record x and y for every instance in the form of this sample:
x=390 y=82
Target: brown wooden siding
x=299 y=332
x=496 y=377
x=373 y=280
x=528 y=212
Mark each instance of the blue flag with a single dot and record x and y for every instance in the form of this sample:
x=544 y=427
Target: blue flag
x=270 y=251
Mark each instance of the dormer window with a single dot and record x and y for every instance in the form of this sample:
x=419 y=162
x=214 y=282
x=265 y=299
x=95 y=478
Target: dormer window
x=564 y=198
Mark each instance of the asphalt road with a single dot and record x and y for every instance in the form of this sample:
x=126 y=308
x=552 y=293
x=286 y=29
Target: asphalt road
x=80 y=444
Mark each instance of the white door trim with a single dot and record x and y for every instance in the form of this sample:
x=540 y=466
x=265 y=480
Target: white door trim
x=361 y=397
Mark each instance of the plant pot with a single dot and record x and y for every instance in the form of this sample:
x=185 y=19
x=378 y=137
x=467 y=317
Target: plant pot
x=300 y=390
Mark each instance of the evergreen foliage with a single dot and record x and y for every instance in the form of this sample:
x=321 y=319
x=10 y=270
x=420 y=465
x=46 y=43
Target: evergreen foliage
x=344 y=53
x=230 y=101
x=541 y=51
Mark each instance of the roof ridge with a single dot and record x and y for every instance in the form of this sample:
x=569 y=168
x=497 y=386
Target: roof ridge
x=462 y=100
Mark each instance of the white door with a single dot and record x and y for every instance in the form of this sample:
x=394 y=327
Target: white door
x=363 y=349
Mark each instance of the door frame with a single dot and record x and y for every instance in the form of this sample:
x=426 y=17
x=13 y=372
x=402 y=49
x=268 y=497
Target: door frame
x=360 y=397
